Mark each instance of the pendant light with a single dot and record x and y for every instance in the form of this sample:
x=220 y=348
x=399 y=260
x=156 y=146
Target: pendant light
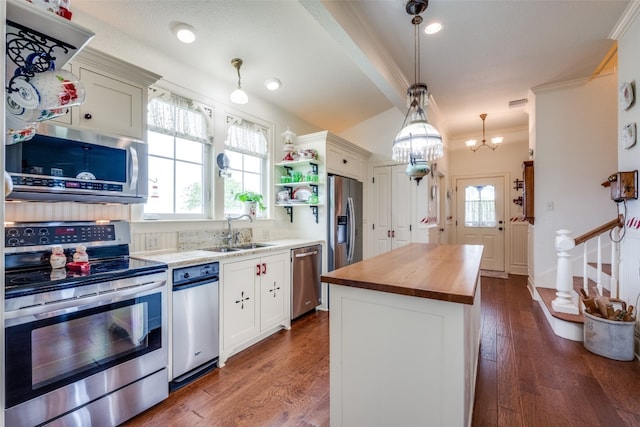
x=238 y=96
x=494 y=141
x=418 y=142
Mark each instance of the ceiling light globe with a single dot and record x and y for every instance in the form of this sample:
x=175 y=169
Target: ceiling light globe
x=497 y=140
x=273 y=84
x=185 y=33
x=419 y=140
x=470 y=143
x=433 y=28
x=239 y=96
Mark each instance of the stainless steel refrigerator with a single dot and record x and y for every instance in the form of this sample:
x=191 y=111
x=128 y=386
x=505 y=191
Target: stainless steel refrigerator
x=344 y=199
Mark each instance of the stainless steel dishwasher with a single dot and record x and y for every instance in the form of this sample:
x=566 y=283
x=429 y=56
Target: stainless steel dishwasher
x=306 y=266
x=195 y=322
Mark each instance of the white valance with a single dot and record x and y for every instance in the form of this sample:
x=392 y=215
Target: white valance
x=248 y=138
x=172 y=114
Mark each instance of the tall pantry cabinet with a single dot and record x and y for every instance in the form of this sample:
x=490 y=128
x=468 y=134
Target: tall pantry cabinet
x=391 y=224
x=401 y=208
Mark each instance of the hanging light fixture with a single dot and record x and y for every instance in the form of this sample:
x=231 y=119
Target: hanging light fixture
x=238 y=96
x=418 y=142
x=494 y=141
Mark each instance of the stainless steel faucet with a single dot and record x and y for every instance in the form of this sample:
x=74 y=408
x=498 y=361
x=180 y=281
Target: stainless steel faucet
x=229 y=219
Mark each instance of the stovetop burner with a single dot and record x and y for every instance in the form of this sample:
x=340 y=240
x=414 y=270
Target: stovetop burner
x=31 y=281
x=27 y=267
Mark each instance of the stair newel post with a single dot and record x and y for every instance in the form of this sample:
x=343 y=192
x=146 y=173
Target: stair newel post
x=564 y=301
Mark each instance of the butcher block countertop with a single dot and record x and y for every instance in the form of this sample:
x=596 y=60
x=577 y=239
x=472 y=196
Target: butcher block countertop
x=426 y=270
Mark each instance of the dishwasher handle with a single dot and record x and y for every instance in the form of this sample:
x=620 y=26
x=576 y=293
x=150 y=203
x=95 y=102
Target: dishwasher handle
x=306 y=254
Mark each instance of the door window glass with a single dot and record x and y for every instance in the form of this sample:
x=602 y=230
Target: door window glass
x=480 y=206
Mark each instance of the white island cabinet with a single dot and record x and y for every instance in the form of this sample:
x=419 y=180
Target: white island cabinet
x=254 y=295
x=404 y=337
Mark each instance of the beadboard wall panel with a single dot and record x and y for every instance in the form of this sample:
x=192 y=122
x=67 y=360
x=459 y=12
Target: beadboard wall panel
x=519 y=247
x=64 y=211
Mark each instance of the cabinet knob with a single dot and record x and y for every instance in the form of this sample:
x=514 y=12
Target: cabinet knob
x=88 y=116
x=344 y=161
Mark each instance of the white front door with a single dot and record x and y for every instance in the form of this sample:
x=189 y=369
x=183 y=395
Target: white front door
x=480 y=218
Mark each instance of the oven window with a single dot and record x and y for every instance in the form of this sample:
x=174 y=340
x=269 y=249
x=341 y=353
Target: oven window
x=46 y=354
x=66 y=348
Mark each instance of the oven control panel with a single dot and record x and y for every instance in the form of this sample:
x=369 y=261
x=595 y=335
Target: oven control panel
x=38 y=235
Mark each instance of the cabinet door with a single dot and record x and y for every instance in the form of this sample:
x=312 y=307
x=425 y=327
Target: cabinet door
x=274 y=290
x=382 y=210
x=342 y=162
x=400 y=207
x=240 y=320
x=527 y=194
x=112 y=105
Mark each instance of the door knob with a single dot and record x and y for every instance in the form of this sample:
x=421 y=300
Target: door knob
x=500 y=228
x=500 y=222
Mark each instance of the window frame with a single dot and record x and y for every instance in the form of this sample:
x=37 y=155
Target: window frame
x=267 y=164
x=207 y=180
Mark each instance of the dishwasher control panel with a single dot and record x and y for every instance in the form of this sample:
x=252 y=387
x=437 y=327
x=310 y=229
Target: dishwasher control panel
x=196 y=273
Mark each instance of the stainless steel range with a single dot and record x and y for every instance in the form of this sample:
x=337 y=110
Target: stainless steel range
x=86 y=344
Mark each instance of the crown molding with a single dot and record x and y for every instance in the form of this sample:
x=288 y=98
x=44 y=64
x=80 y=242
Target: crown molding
x=626 y=20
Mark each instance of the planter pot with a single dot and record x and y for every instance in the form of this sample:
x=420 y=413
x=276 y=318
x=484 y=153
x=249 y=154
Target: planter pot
x=609 y=338
x=250 y=208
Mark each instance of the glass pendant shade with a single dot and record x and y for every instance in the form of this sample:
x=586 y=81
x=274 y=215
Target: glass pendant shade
x=417 y=140
x=239 y=96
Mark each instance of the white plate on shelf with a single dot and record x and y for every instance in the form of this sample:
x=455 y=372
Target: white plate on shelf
x=302 y=194
x=626 y=95
x=629 y=135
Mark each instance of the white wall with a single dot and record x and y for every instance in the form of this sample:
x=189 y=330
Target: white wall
x=191 y=83
x=629 y=71
x=506 y=159
x=575 y=151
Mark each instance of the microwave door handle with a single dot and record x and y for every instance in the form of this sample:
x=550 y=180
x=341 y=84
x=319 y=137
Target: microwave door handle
x=134 y=168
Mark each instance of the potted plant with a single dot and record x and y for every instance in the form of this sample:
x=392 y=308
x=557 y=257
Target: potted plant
x=251 y=201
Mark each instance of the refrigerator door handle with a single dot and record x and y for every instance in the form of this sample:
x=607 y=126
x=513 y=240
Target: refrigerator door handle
x=351 y=218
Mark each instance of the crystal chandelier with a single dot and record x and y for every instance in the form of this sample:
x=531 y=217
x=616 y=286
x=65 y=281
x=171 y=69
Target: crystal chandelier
x=417 y=141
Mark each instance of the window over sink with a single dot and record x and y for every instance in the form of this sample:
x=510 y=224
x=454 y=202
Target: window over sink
x=179 y=142
x=247 y=149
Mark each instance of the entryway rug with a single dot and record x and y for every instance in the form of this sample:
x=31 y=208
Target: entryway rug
x=496 y=274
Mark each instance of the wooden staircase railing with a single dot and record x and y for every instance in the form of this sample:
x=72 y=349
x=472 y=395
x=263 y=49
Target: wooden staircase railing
x=566 y=300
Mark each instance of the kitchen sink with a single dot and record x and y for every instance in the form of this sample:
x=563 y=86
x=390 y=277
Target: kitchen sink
x=246 y=247
x=253 y=246
x=221 y=250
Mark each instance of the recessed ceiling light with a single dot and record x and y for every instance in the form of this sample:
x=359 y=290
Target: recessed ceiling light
x=185 y=33
x=273 y=84
x=433 y=28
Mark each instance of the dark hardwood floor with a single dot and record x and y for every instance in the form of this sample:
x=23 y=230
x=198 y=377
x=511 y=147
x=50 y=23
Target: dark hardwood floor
x=527 y=376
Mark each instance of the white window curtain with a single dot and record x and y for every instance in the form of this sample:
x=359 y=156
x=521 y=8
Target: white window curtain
x=480 y=209
x=172 y=114
x=247 y=138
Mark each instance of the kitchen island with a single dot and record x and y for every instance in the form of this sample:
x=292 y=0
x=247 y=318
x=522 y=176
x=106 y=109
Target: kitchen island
x=404 y=337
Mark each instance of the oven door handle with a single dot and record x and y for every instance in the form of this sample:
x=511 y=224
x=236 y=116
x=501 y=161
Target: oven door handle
x=83 y=302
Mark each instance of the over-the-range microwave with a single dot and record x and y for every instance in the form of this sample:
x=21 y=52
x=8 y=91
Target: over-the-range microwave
x=63 y=164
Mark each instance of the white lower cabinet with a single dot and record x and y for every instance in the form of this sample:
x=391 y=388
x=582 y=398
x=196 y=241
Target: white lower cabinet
x=254 y=295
